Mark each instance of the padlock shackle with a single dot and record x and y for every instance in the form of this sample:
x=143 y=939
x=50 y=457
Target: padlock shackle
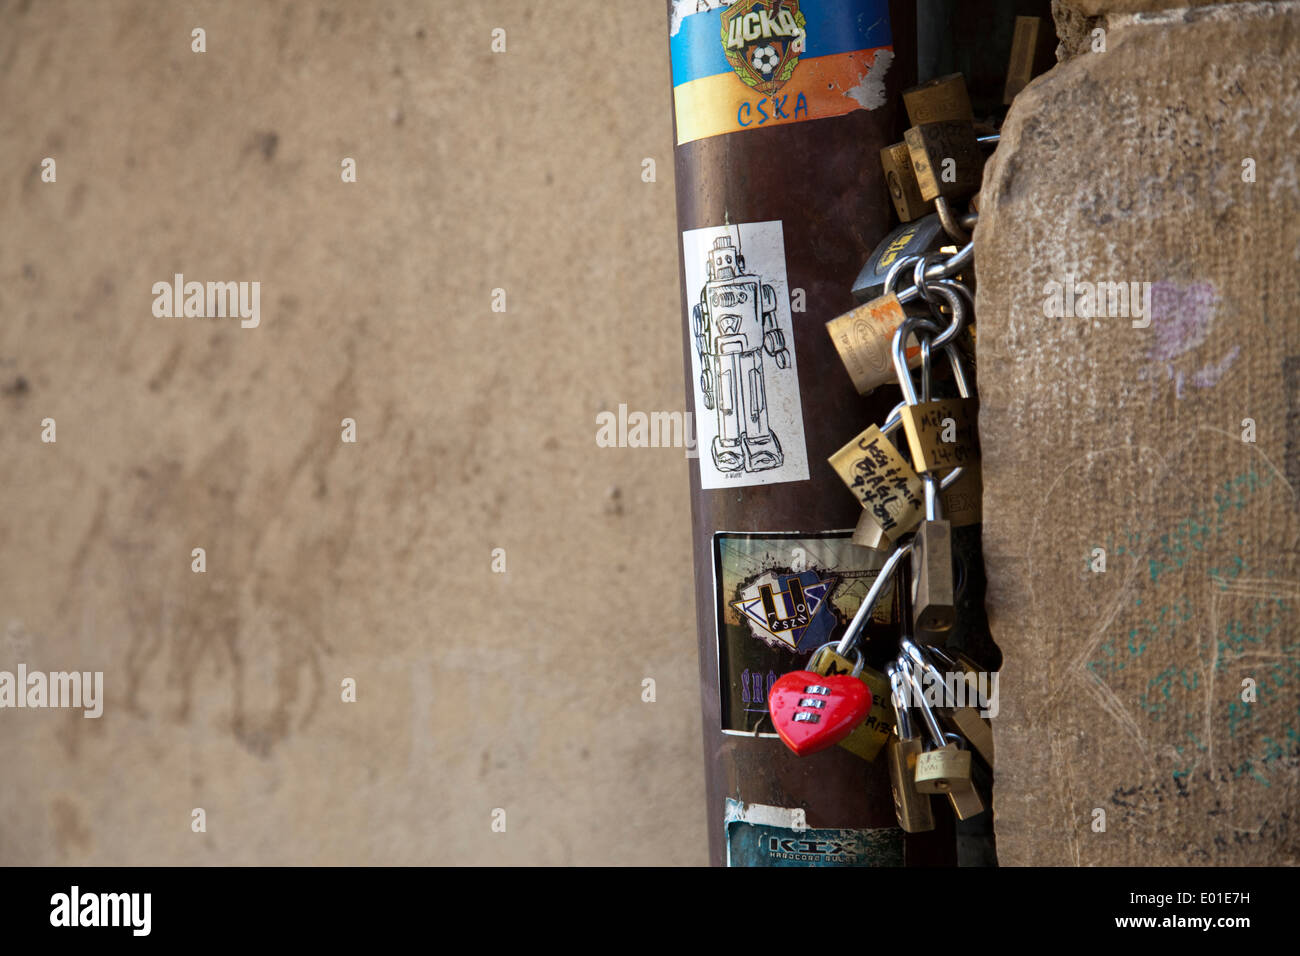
x=944 y=339
x=858 y=660
x=898 y=692
x=953 y=226
x=927 y=715
x=946 y=289
x=957 y=660
x=886 y=576
x=899 y=350
x=933 y=506
x=919 y=659
x=926 y=349
x=895 y=420
x=934 y=271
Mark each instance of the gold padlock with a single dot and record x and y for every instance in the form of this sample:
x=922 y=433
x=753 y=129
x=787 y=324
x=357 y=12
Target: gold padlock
x=943 y=770
x=900 y=177
x=942 y=434
x=1033 y=50
x=968 y=722
x=946 y=158
x=870 y=735
x=963 y=499
x=882 y=479
x=915 y=815
x=934 y=607
x=948 y=771
x=864 y=338
x=940 y=100
x=869 y=534
x=966 y=803
x=912 y=807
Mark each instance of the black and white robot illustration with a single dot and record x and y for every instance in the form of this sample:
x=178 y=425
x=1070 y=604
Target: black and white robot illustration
x=734 y=323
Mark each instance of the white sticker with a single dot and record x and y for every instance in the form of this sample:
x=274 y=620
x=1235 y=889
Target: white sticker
x=748 y=417
x=684 y=8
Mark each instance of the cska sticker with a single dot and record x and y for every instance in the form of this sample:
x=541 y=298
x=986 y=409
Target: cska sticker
x=762 y=40
x=749 y=64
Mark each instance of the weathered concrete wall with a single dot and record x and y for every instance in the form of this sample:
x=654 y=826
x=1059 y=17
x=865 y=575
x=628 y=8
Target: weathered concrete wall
x=1123 y=690
x=475 y=430
x=1076 y=19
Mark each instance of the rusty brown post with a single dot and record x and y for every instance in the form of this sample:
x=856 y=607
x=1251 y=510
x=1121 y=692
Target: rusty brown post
x=753 y=150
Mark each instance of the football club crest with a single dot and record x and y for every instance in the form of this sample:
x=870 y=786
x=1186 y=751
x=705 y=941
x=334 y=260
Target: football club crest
x=782 y=610
x=762 y=40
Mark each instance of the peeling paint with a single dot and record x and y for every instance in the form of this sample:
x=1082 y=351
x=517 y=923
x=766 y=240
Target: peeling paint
x=870 y=91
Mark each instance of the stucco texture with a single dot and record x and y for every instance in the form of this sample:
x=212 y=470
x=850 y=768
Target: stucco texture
x=373 y=560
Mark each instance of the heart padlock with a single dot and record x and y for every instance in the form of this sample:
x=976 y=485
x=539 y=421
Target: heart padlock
x=812 y=712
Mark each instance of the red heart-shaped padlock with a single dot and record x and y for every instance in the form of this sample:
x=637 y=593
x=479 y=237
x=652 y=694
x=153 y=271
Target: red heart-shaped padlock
x=812 y=712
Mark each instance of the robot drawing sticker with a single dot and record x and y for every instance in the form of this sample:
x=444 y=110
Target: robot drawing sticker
x=747 y=409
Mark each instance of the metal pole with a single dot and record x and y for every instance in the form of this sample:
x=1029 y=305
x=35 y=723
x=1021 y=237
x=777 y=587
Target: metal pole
x=752 y=152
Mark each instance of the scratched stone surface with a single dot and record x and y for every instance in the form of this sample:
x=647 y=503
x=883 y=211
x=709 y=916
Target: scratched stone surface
x=1102 y=7
x=1124 y=690
x=1076 y=20
x=475 y=430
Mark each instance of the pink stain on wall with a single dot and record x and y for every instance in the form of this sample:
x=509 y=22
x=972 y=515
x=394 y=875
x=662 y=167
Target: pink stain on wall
x=1181 y=319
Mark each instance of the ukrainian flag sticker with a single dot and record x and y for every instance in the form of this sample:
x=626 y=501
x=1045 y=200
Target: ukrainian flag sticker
x=750 y=64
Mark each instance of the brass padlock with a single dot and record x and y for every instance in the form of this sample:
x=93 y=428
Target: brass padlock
x=900 y=177
x=963 y=499
x=947 y=159
x=942 y=434
x=864 y=337
x=934 y=607
x=869 y=533
x=882 y=479
x=911 y=806
x=915 y=815
x=939 y=100
x=943 y=770
x=938 y=768
x=963 y=796
x=966 y=803
x=968 y=722
x=870 y=735
x=1033 y=50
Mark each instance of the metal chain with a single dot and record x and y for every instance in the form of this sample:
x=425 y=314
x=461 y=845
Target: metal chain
x=932 y=280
